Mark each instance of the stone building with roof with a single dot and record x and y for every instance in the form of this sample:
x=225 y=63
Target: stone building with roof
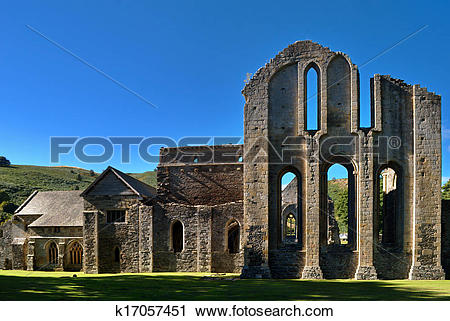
x=224 y=209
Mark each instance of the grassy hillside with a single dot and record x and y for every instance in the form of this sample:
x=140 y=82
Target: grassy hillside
x=19 y=181
x=146 y=177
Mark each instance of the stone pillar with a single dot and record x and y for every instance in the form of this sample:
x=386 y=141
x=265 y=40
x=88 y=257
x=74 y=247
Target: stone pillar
x=365 y=198
x=204 y=226
x=90 y=239
x=312 y=268
x=426 y=248
x=30 y=255
x=256 y=182
x=61 y=254
x=145 y=239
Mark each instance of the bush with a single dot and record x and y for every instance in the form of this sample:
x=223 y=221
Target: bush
x=4 y=162
x=92 y=173
x=4 y=197
x=8 y=207
x=446 y=191
x=79 y=178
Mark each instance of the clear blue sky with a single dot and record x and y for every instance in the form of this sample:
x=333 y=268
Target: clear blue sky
x=190 y=59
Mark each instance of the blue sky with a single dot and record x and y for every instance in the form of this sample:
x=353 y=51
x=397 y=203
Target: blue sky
x=190 y=59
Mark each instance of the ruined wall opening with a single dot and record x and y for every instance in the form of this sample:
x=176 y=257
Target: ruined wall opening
x=338 y=204
x=289 y=204
x=177 y=236
x=233 y=237
x=312 y=98
x=291 y=226
x=389 y=206
x=52 y=253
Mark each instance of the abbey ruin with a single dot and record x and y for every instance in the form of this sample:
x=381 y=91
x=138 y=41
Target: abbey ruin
x=227 y=208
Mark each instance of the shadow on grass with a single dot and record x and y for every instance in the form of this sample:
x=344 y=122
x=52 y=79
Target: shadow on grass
x=189 y=288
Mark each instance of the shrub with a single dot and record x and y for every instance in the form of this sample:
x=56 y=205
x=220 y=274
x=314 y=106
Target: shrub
x=4 y=162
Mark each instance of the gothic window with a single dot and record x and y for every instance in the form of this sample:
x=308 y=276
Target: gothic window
x=233 y=237
x=177 y=237
x=76 y=254
x=52 y=253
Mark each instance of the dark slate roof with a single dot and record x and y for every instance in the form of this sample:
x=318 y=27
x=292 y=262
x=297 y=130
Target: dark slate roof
x=58 y=208
x=139 y=188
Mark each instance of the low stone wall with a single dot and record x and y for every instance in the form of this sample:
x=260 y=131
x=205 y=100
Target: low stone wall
x=287 y=262
x=391 y=264
x=338 y=262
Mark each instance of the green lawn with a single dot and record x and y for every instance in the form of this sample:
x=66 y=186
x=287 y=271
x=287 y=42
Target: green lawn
x=23 y=285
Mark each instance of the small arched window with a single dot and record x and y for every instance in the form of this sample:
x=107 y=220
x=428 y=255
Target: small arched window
x=291 y=226
x=233 y=237
x=177 y=237
x=76 y=254
x=52 y=253
x=117 y=255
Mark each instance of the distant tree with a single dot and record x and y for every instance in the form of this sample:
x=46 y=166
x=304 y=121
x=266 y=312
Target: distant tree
x=446 y=191
x=341 y=210
x=4 y=197
x=8 y=207
x=4 y=217
x=77 y=187
x=4 y=162
x=79 y=178
x=92 y=173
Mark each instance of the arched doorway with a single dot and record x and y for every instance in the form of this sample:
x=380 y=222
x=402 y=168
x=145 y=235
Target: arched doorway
x=233 y=237
x=177 y=237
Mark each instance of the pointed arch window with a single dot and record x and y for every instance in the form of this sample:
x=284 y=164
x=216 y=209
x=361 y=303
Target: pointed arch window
x=76 y=254
x=52 y=253
x=312 y=97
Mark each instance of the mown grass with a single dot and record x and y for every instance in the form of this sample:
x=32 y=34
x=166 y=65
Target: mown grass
x=23 y=285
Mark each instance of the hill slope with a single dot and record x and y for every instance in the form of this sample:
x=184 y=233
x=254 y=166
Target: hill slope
x=19 y=181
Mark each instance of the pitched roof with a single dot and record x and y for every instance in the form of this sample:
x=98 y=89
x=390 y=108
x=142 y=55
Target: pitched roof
x=136 y=186
x=58 y=208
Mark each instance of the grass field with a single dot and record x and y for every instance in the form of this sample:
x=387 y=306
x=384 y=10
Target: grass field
x=23 y=285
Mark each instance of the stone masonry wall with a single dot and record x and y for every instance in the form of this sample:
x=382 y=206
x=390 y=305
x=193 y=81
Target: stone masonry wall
x=5 y=246
x=125 y=235
x=445 y=219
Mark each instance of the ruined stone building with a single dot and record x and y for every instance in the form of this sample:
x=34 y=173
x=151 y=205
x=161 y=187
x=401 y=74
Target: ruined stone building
x=227 y=208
